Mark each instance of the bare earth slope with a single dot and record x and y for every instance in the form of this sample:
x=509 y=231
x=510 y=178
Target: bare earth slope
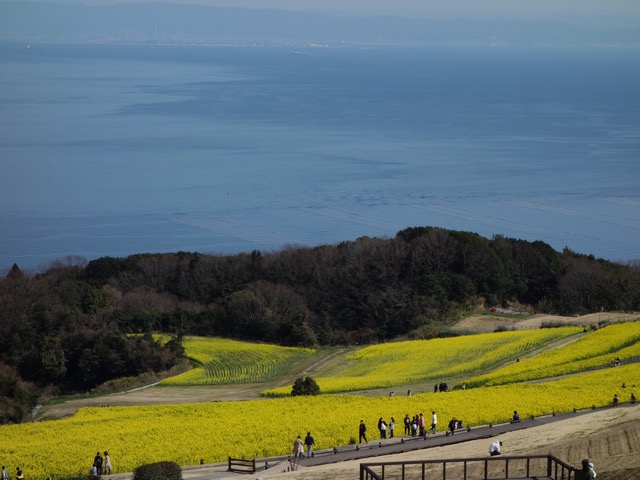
x=489 y=323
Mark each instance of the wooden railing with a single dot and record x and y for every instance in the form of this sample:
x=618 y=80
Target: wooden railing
x=485 y=468
x=242 y=466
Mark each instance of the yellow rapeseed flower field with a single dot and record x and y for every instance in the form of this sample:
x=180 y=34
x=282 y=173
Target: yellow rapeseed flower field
x=401 y=363
x=213 y=431
x=261 y=428
x=221 y=361
x=595 y=350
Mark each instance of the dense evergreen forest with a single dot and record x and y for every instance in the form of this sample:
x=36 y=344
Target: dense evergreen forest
x=66 y=329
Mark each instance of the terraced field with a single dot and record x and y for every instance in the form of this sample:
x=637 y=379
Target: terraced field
x=222 y=361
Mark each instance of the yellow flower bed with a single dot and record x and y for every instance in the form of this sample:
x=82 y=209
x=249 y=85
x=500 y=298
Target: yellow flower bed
x=261 y=428
x=228 y=361
x=401 y=363
x=595 y=350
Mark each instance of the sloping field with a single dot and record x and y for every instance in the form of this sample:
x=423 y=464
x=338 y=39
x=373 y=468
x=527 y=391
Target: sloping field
x=223 y=361
x=401 y=363
x=597 y=349
x=490 y=323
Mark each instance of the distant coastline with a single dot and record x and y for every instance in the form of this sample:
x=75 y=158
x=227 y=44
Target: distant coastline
x=172 y=24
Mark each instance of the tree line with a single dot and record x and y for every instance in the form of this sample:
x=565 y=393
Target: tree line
x=68 y=328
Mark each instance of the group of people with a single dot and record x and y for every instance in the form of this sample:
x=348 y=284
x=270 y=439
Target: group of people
x=632 y=399
x=417 y=426
x=414 y=426
x=101 y=466
x=441 y=387
x=4 y=475
x=299 y=445
x=383 y=427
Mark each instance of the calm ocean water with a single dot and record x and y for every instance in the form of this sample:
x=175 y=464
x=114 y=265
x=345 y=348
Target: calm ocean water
x=115 y=150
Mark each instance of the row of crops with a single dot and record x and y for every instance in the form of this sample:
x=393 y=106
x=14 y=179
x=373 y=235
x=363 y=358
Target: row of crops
x=219 y=361
x=596 y=350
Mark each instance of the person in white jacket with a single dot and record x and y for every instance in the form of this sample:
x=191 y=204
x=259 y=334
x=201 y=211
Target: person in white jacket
x=495 y=448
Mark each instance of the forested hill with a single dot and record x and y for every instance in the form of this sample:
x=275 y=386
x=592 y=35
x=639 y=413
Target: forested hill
x=67 y=326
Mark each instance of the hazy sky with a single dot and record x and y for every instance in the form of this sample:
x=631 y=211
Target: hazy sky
x=433 y=8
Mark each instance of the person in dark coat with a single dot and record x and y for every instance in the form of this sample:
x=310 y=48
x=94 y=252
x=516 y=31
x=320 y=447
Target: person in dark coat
x=362 y=432
x=97 y=462
x=452 y=425
x=308 y=441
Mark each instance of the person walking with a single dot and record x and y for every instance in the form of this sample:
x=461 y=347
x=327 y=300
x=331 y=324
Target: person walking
x=308 y=441
x=107 y=463
x=362 y=432
x=452 y=425
x=434 y=421
x=298 y=447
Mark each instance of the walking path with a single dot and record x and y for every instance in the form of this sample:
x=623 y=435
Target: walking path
x=374 y=448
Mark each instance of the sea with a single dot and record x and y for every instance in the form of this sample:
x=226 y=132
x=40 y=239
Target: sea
x=113 y=150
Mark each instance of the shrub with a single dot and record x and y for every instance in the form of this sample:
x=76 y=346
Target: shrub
x=555 y=324
x=504 y=328
x=158 y=471
x=305 y=386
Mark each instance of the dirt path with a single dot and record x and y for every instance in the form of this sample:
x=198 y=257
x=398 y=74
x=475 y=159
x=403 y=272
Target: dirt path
x=157 y=394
